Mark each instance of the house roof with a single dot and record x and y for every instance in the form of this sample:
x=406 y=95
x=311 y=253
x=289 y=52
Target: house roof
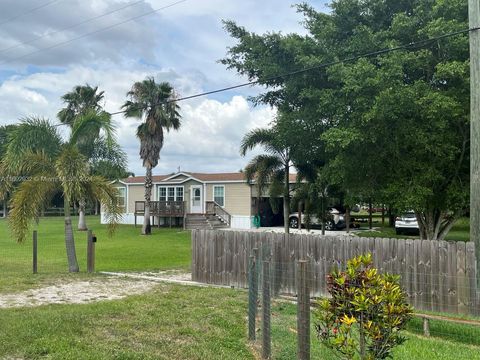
x=204 y=177
x=141 y=179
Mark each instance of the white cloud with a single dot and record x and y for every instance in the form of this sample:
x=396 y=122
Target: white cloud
x=208 y=140
x=180 y=44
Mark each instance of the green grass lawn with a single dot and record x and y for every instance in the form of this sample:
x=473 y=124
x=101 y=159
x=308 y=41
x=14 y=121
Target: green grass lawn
x=181 y=322
x=126 y=250
x=447 y=341
x=171 y=322
x=459 y=232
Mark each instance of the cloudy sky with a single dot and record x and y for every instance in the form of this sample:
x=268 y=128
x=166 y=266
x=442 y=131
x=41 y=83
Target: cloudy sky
x=47 y=47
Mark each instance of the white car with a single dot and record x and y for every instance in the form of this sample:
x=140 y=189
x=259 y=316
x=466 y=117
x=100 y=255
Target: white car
x=335 y=221
x=406 y=223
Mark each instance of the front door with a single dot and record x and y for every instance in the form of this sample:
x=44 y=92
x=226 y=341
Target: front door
x=196 y=199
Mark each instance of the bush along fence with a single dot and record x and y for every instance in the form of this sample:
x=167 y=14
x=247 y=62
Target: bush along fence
x=436 y=275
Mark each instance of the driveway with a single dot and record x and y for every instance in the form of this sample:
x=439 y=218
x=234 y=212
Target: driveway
x=280 y=229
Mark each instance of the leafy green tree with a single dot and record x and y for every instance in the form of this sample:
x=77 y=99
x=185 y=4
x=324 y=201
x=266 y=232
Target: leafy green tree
x=366 y=311
x=47 y=165
x=154 y=104
x=97 y=144
x=271 y=169
x=394 y=126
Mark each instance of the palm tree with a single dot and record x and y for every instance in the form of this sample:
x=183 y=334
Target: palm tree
x=48 y=165
x=83 y=100
x=6 y=185
x=273 y=168
x=78 y=101
x=155 y=105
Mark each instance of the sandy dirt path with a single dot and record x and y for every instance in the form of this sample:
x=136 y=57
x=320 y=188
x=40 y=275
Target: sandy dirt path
x=85 y=291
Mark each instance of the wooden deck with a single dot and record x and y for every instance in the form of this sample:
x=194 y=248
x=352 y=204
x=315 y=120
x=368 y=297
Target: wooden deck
x=165 y=209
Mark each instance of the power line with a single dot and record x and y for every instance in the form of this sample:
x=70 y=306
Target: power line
x=94 y=32
x=411 y=45
x=28 y=12
x=70 y=27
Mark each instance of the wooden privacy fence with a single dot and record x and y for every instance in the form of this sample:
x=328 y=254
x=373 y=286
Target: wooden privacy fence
x=436 y=275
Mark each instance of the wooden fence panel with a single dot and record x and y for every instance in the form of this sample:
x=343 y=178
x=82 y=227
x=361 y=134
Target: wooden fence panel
x=462 y=283
x=452 y=296
x=436 y=275
x=443 y=265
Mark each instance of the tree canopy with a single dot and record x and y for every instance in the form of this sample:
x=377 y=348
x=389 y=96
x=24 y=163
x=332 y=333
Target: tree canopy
x=396 y=124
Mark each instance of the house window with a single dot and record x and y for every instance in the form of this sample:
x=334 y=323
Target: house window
x=170 y=193
x=121 y=196
x=219 y=195
x=162 y=194
x=179 y=190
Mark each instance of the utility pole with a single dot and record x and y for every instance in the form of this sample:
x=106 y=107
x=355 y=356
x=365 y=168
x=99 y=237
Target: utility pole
x=474 y=22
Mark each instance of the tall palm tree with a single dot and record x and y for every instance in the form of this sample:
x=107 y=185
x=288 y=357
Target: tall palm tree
x=154 y=104
x=272 y=168
x=83 y=100
x=48 y=165
x=78 y=101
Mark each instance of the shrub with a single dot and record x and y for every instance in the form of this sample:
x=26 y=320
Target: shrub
x=366 y=312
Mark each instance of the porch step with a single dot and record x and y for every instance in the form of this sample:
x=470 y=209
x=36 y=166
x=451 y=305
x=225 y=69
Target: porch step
x=203 y=221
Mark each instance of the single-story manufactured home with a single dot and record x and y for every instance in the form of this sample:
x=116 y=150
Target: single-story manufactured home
x=191 y=199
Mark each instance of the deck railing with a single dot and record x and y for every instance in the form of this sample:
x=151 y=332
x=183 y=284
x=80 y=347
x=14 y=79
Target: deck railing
x=161 y=208
x=213 y=208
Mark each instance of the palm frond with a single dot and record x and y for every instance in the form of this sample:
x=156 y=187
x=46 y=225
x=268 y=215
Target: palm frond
x=258 y=137
x=78 y=101
x=28 y=200
x=7 y=181
x=32 y=135
x=87 y=127
x=100 y=189
x=73 y=172
x=109 y=161
x=132 y=109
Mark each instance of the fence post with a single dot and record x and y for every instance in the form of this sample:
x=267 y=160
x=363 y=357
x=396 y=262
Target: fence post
x=252 y=297
x=266 y=344
x=35 y=252
x=426 y=327
x=90 y=252
x=303 y=312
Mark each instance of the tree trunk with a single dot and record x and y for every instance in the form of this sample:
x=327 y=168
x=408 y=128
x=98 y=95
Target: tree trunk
x=308 y=215
x=299 y=215
x=347 y=218
x=82 y=223
x=323 y=214
x=146 y=228
x=435 y=224
x=370 y=226
x=286 y=198
x=69 y=240
x=391 y=217
x=97 y=205
x=5 y=208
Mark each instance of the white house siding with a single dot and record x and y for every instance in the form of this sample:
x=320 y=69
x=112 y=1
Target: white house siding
x=241 y=222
